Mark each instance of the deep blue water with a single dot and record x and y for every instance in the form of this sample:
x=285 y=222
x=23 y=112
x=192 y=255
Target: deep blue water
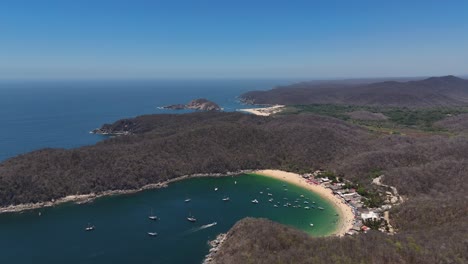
x=60 y=114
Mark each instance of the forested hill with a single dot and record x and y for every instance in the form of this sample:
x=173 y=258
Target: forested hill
x=166 y=146
x=430 y=92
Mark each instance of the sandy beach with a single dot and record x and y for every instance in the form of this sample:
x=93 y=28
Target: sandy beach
x=345 y=212
x=263 y=111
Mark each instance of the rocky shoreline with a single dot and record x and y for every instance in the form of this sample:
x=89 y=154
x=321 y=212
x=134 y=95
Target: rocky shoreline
x=86 y=198
x=214 y=247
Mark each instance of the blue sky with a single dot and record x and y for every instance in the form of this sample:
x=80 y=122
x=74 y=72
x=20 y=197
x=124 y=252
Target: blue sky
x=232 y=39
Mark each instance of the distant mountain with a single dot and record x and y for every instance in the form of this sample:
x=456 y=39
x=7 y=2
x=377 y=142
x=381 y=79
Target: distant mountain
x=434 y=91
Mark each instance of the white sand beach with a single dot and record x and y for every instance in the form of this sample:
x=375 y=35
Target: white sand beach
x=263 y=111
x=345 y=212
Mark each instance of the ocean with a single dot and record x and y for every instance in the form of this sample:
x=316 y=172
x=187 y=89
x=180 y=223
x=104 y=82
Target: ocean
x=60 y=114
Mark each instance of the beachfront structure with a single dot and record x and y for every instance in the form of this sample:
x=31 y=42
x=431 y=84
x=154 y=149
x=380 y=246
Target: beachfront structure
x=369 y=216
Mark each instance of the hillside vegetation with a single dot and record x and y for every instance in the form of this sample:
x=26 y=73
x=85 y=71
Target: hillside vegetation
x=392 y=118
x=160 y=147
x=430 y=92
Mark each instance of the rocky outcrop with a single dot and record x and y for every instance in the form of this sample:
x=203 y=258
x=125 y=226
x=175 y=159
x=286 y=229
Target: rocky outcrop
x=200 y=104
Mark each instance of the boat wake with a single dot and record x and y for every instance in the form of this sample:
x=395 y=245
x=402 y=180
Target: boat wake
x=193 y=230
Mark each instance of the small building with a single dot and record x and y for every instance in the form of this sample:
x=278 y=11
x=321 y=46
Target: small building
x=370 y=216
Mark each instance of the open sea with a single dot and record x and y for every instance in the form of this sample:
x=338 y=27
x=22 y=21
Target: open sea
x=60 y=114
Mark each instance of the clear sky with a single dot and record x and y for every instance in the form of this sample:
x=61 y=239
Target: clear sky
x=232 y=38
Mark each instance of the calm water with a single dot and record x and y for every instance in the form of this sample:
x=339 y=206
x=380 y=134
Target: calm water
x=58 y=236
x=35 y=115
x=60 y=114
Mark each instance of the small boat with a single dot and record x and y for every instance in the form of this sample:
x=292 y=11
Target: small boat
x=235 y=182
x=306 y=202
x=311 y=224
x=39 y=213
x=269 y=194
x=275 y=205
x=285 y=190
x=187 y=200
x=302 y=195
x=152 y=216
x=89 y=228
x=321 y=208
x=271 y=200
x=226 y=199
x=261 y=192
x=307 y=208
x=216 y=189
x=255 y=201
x=152 y=234
x=191 y=219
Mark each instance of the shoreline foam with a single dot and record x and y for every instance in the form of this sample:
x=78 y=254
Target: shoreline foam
x=346 y=214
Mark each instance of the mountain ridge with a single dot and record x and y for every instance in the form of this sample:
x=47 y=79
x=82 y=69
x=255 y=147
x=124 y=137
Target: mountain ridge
x=433 y=91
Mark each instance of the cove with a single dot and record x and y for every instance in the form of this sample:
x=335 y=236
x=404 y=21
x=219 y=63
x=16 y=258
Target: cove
x=58 y=236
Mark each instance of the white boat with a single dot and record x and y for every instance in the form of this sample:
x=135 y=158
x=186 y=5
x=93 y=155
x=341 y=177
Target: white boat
x=152 y=233
x=89 y=228
x=235 y=182
x=255 y=201
x=269 y=194
x=216 y=189
x=261 y=192
x=311 y=224
x=307 y=208
x=302 y=195
x=191 y=219
x=321 y=208
x=275 y=205
x=152 y=216
x=271 y=200
x=306 y=202
x=226 y=199
x=187 y=200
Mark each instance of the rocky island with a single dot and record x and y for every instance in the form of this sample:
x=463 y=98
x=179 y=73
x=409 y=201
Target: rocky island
x=200 y=104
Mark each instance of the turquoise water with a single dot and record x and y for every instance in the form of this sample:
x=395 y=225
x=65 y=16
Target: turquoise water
x=58 y=236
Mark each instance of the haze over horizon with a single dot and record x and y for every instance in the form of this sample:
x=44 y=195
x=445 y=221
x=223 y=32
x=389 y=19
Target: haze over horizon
x=241 y=39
